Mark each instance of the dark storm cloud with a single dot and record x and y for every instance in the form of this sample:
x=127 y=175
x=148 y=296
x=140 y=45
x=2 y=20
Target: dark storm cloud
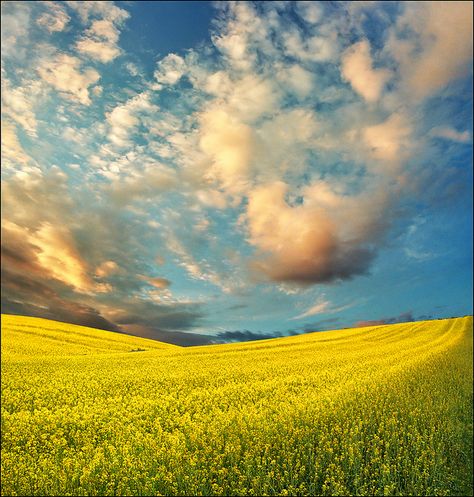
x=180 y=338
x=26 y=296
x=343 y=266
x=402 y=318
x=111 y=261
x=320 y=325
x=245 y=336
x=170 y=317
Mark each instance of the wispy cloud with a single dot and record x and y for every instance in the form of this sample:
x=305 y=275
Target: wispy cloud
x=324 y=306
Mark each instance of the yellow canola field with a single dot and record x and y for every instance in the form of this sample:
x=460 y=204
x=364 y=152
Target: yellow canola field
x=385 y=410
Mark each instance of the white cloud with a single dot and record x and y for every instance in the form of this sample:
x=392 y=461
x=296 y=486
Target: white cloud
x=229 y=143
x=311 y=12
x=389 y=141
x=451 y=134
x=19 y=103
x=99 y=41
x=323 y=306
x=439 y=49
x=319 y=307
x=132 y=69
x=15 y=33
x=298 y=79
x=96 y=8
x=357 y=68
x=142 y=185
x=124 y=118
x=12 y=151
x=55 y=18
x=170 y=69
x=105 y=29
x=98 y=50
x=63 y=72
x=318 y=48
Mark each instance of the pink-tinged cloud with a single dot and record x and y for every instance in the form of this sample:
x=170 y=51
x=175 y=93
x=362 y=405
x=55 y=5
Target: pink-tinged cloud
x=358 y=70
x=441 y=49
x=312 y=242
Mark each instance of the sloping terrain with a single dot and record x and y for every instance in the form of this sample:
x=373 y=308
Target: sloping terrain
x=385 y=410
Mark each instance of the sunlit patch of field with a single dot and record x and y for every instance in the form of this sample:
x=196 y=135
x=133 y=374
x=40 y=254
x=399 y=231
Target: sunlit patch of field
x=385 y=410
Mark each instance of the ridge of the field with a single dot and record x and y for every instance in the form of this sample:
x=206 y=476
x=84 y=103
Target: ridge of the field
x=52 y=337
x=383 y=410
x=32 y=336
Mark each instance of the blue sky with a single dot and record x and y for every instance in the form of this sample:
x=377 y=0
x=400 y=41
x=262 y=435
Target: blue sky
x=197 y=172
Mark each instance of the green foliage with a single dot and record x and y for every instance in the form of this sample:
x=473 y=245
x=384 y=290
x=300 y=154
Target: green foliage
x=374 y=411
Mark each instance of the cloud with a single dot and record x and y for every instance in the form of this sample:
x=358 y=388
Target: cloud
x=12 y=151
x=229 y=143
x=63 y=311
x=52 y=252
x=297 y=79
x=173 y=316
x=245 y=336
x=438 y=47
x=320 y=48
x=19 y=102
x=323 y=306
x=451 y=134
x=199 y=269
x=311 y=12
x=98 y=50
x=402 y=318
x=99 y=41
x=153 y=180
x=257 y=170
x=357 y=68
x=97 y=8
x=311 y=242
x=63 y=72
x=160 y=283
x=55 y=19
x=124 y=119
x=389 y=141
x=321 y=325
x=15 y=32
x=106 y=269
x=104 y=29
x=180 y=338
x=170 y=69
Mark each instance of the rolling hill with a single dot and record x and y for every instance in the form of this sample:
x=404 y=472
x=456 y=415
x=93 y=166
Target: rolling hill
x=384 y=410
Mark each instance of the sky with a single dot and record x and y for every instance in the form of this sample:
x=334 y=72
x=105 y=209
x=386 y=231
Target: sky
x=200 y=172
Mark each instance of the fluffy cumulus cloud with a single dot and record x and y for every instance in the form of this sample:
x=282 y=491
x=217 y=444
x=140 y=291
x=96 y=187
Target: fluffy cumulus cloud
x=437 y=48
x=99 y=41
x=311 y=242
x=285 y=152
x=357 y=68
x=55 y=18
x=64 y=72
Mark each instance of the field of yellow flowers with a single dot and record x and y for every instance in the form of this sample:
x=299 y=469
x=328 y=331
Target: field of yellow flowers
x=385 y=410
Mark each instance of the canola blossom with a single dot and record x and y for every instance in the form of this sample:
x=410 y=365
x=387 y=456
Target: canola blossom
x=384 y=410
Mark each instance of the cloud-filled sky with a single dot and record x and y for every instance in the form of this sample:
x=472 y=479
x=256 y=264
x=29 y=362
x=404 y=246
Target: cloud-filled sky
x=198 y=172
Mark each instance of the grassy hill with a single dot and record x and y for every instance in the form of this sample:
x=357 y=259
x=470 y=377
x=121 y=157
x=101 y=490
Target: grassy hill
x=385 y=410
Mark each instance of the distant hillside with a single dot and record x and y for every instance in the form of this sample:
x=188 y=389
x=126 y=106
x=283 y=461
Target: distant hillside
x=384 y=410
x=31 y=336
